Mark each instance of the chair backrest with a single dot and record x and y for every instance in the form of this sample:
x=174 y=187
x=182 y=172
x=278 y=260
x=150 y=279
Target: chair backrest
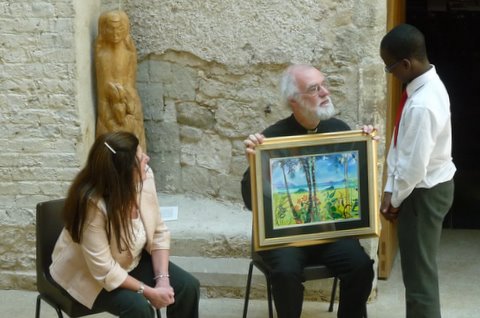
x=312 y=272
x=48 y=227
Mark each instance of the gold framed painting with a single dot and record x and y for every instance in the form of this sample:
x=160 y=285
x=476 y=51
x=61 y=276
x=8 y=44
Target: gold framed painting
x=312 y=189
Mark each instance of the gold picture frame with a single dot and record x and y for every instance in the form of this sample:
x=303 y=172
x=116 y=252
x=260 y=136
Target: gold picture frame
x=312 y=189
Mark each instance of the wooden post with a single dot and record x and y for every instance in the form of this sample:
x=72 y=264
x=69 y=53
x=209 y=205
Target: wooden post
x=388 y=243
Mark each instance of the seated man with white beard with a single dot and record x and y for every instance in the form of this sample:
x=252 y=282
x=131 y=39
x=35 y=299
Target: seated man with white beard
x=303 y=90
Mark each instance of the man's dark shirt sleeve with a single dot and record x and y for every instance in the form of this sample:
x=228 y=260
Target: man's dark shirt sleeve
x=246 y=189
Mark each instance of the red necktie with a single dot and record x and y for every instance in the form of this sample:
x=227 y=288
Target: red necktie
x=403 y=99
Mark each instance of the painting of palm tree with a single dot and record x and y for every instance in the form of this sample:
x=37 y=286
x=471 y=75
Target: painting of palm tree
x=315 y=189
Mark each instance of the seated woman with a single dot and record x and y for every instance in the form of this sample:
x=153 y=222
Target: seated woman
x=113 y=253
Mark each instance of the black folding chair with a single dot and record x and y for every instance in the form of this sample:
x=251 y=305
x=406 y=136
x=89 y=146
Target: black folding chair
x=48 y=228
x=310 y=272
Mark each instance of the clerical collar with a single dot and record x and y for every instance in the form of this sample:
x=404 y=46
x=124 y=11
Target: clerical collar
x=312 y=131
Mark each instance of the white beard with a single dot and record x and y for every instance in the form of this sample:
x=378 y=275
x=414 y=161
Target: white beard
x=323 y=112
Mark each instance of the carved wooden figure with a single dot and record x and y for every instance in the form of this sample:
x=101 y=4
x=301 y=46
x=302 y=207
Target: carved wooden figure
x=119 y=106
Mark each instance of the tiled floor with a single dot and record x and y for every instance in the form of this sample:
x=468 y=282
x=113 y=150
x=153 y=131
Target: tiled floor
x=459 y=264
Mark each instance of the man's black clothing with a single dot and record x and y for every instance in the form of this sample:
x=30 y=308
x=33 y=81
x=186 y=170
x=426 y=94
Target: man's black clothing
x=346 y=257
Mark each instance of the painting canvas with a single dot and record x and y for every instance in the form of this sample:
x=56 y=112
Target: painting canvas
x=314 y=188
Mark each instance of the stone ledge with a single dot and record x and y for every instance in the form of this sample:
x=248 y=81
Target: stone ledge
x=208 y=228
x=227 y=277
x=211 y=239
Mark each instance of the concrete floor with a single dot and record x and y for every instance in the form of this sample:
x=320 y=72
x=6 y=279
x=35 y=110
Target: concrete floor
x=459 y=264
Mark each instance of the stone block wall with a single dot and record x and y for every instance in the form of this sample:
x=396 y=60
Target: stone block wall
x=209 y=71
x=46 y=114
x=208 y=74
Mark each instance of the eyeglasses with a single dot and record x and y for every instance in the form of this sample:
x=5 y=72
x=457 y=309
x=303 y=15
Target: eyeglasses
x=389 y=68
x=314 y=90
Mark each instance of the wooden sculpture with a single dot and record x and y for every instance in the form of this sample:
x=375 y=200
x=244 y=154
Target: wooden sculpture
x=119 y=106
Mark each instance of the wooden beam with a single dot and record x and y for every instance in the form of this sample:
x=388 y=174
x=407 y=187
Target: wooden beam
x=388 y=243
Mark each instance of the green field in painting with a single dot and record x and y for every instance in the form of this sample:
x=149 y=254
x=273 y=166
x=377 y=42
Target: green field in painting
x=331 y=205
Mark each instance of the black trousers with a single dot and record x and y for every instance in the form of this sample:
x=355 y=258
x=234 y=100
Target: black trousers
x=126 y=303
x=346 y=257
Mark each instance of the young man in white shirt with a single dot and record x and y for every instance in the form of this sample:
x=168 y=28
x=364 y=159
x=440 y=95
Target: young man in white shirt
x=419 y=188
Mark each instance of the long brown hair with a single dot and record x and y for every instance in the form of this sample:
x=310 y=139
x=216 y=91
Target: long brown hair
x=111 y=173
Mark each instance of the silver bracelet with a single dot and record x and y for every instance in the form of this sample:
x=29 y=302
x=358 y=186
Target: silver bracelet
x=141 y=289
x=161 y=276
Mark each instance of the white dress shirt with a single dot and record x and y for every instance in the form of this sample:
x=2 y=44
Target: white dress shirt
x=422 y=157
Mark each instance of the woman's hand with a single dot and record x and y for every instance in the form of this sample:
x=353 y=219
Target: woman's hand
x=160 y=296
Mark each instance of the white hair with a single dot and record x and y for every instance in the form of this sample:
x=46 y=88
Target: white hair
x=288 y=86
x=288 y=83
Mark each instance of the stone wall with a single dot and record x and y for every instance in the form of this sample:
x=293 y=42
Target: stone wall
x=208 y=74
x=46 y=114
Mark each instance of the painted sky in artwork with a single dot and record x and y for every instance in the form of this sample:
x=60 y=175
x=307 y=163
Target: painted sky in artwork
x=329 y=173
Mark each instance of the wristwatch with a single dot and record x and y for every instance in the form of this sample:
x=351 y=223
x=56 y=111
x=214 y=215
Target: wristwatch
x=141 y=289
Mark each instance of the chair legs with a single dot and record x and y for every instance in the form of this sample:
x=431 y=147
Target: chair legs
x=37 y=308
x=247 y=293
x=332 y=296
x=269 y=293
x=59 y=312
x=247 y=290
